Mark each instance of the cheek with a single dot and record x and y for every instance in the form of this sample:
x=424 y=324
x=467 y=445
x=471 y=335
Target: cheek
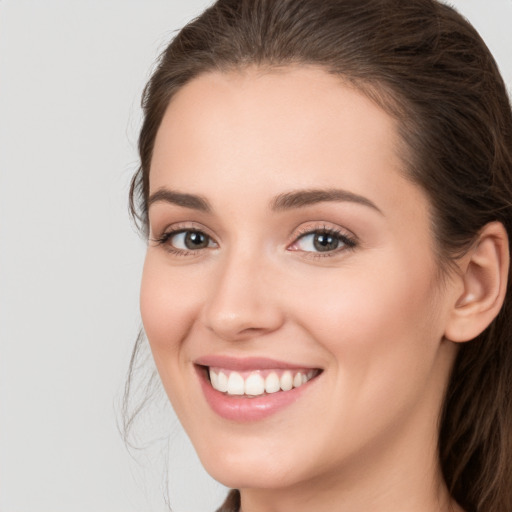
x=167 y=304
x=381 y=328
x=372 y=317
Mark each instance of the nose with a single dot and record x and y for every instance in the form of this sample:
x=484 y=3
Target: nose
x=242 y=303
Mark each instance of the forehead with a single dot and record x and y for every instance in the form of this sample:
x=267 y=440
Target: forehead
x=279 y=118
x=266 y=132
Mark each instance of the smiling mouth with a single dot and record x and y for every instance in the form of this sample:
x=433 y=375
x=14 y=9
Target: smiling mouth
x=257 y=383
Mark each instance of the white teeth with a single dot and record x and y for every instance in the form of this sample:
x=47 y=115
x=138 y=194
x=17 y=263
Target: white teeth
x=214 y=378
x=236 y=384
x=233 y=383
x=254 y=385
x=272 y=383
x=222 y=382
x=286 y=381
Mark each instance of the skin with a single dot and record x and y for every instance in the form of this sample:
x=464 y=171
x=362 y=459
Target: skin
x=363 y=436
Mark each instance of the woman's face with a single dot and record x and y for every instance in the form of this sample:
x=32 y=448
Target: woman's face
x=288 y=250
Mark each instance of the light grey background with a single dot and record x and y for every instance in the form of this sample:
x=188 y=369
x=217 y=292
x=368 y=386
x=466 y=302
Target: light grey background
x=71 y=74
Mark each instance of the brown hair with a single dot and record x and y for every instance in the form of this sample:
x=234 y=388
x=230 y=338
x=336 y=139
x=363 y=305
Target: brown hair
x=428 y=67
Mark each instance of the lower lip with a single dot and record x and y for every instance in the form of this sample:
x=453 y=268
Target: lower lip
x=246 y=409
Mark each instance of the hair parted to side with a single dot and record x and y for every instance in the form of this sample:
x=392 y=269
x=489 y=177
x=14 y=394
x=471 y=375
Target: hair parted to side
x=427 y=66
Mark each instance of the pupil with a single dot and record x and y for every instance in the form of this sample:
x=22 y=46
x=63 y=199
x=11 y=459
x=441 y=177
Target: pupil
x=195 y=240
x=325 y=242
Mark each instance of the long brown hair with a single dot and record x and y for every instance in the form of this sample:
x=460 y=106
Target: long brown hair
x=427 y=66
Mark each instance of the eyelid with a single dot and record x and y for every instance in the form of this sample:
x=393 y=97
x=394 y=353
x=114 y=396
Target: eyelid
x=348 y=239
x=171 y=230
x=177 y=227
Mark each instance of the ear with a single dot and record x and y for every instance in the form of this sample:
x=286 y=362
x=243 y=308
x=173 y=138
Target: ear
x=483 y=278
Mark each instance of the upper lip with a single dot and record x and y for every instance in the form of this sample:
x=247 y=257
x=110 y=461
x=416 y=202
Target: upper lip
x=247 y=363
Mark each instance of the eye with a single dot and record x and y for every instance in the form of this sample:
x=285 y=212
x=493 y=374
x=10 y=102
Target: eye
x=323 y=241
x=190 y=240
x=185 y=241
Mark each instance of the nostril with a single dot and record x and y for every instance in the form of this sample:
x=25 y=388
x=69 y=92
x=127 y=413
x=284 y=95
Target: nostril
x=243 y=326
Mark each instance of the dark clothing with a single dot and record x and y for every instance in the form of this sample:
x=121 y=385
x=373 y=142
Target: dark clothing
x=232 y=503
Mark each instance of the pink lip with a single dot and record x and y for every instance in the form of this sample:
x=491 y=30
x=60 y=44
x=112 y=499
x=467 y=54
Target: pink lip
x=247 y=409
x=247 y=364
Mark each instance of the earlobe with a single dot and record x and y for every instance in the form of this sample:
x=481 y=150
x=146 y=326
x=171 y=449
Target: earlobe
x=484 y=276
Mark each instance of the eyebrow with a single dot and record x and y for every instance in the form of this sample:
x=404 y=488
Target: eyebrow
x=308 y=197
x=285 y=201
x=178 y=198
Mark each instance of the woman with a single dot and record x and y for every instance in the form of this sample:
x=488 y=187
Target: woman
x=326 y=189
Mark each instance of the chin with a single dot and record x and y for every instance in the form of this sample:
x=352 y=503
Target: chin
x=254 y=465
x=247 y=475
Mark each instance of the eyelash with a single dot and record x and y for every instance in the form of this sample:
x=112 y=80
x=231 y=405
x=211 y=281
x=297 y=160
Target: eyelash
x=165 y=237
x=348 y=242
